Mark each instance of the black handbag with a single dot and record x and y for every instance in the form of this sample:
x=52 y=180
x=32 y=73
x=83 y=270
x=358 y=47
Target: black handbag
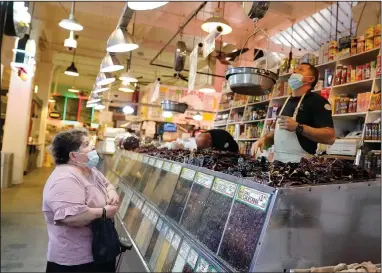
x=105 y=244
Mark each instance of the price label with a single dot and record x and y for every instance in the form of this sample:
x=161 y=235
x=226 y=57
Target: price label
x=139 y=204
x=159 y=163
x=159 y=224
x=144 y=209
x=170 y=235
x=176 y=241
x=184 y=249
x=145 y=159
x=224 y=187
x=155 y=218
x=192 y=258
x=202 y=265
x=167 y=166
x=204 y=179
x=164 y=229
x=152 y=161
x=188 y=174
x=253 y=198
x=175 y=168
x=151 y=215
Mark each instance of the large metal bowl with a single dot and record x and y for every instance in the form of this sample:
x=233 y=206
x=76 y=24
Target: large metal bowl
x=250 y=81
x=174 y=106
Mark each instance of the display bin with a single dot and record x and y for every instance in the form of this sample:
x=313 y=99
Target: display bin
x=239 y=225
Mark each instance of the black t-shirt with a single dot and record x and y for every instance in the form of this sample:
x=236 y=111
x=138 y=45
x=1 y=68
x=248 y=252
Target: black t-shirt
x=315 y=111
x=222 y=140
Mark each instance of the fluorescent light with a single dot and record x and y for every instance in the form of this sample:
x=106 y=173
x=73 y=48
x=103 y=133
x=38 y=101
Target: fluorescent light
x=121 y=41
x=89 y=105
x=207 y=88
x=93 y=101
x=213 y=22
x=128 y=77
x=74 y=90
x=104 y=79
x=35 y=89
x=198 y=116
x=145 y=5
x=72 y=70
x=51 y=100
x=128 y=110
x=70 y=42
x=167 y=114
x=110 y=64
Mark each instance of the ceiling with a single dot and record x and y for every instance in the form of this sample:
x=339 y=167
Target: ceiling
x=152 y=30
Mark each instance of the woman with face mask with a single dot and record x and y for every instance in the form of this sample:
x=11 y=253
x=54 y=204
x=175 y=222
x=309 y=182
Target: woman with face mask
x=305 y=119
x=74 y=195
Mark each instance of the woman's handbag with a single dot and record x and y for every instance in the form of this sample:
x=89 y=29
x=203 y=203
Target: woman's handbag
x=105 y=245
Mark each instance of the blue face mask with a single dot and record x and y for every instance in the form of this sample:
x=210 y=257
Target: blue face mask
x=93 y=159
x=295 y=81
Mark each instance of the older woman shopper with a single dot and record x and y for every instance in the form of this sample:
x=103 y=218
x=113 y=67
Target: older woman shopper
x=75 y=195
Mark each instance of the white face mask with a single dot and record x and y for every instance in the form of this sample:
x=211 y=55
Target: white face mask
x=93 y=159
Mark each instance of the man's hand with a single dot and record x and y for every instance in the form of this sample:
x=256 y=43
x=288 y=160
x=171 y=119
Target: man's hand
x=287 y=123
x=112 y=198
x=257 y=145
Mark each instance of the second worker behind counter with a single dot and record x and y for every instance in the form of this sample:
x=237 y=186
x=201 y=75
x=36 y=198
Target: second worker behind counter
x=218 y=139
x=304 y=120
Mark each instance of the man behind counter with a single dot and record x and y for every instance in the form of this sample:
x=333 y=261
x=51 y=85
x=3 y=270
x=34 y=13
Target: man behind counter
x=218 y=139
x=304 y=120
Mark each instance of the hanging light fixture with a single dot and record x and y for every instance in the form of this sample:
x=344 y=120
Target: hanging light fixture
x=127 y=76
x=51 y=99
x=99 y=89
x=145 y=5
x=104 y=79
x=126 y=87
x=167 y=114
x=70 y=43
x=128 y=110
x=73 y=90
x=207 y=88
x=72 y=69
x=99 y=106
x=213 y=22
x=71 y=23
x=121 y=41
x=198 y=116
x=110 y=63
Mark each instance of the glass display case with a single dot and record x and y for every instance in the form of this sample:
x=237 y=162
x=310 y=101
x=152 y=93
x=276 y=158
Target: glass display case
x=184 y=218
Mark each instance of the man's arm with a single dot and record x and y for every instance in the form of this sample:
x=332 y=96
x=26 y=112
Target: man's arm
x=320 y=135
x=267 y=140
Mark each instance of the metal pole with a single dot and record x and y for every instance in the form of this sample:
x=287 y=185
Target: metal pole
x=337 y=21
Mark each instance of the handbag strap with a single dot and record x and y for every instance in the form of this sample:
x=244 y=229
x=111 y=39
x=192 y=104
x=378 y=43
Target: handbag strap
x=103 y=213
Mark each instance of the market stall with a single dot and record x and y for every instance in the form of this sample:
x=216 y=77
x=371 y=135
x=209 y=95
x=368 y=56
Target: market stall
x=182 y=217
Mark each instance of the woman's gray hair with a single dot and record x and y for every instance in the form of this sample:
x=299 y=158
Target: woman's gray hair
x=66 y=142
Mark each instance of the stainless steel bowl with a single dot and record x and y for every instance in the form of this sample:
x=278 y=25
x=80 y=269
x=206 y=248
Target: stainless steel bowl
x=173 y=106
x=251 y=81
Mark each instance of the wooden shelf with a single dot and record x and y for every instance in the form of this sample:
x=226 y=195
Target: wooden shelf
x=372 y=141
x=238 y=107
x=224 y=110
x=257 y=102
x=360 y=56
x=253 y=121
x=349 y=115
x=363 y=82
x=247 y=139
x=375 y=112
x=324 y=65
x=280 y=98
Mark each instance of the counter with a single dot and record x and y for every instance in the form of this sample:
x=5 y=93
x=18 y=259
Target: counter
x=184 y=218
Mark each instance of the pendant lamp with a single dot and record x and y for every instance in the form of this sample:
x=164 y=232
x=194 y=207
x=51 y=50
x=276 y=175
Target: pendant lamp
x=121 y=41
x=126 y=87
x=110 y=63
x=72 y=69
x=207 y=88
x=128 y=110
x=99 y=89
x=93 y=98
x=104 y=79
x=99 y=106
x=127 y=76
x=70 y=43
x=167 y=114
x=213 y=22
x=71 y=23
x=198 y=116
x=73 y=90
x=138 y=5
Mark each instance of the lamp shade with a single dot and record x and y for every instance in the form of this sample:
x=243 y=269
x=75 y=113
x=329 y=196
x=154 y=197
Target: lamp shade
x=71 y=24
x=126 y=87
x=99 y=89
x=99 y=106
x=207 y=88
x=110 y=64
x=213 y=22
x=145 y=5
x=128 y=77
x=72 y=70
x=128 y=110
x=104 y=79
x=198 y=116
x=167 y=114
x=121 y=41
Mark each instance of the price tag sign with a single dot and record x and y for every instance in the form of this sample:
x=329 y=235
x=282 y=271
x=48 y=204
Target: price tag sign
x=139 y=204
x=170 y=235
x=192 y=258
x=204 y=179
x=202 y=265
x=151 y=215
x=159 y=163
x=159 y=224
x=224 y=187
x=167 y=166
x=175 y=168
x=145 y=159
x=176 y=241
x=144 y=209
x=164 y=229
x=184 y=249
x=152 y=161
x=252 y=197
x=188 y=174
x=155 y=218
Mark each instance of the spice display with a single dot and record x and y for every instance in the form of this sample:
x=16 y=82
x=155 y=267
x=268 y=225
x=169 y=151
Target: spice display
x=196 y=201
x=244 y=228
x=156 y=176
x=153 y=241
x=164 y=251
x=192 y=258
x=146 y=231
x=342 y=267
x=133 y=213
x=215 y=213
x=181 y=192
x=145 y=177
x=182 y=257
x=158 y=246
x=353 y=46
x=130 y=143
x=137 y=220
x=254 y=113
x=169 y=261
x=360 y=44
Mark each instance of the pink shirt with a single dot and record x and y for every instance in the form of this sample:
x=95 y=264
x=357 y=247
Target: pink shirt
x=68 y=192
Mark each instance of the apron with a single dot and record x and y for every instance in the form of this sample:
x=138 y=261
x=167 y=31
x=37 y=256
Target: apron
x=287 y=147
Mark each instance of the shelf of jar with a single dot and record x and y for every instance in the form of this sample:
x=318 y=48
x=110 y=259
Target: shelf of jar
x=362 y=82
x=253 y=121
x=238 y=107
x=247 y=139
x=349 y=115
x=377 y=112
x=280 y=98
x=224 y=110
x=257 y=102
x=360 y=58
x=325 y=65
